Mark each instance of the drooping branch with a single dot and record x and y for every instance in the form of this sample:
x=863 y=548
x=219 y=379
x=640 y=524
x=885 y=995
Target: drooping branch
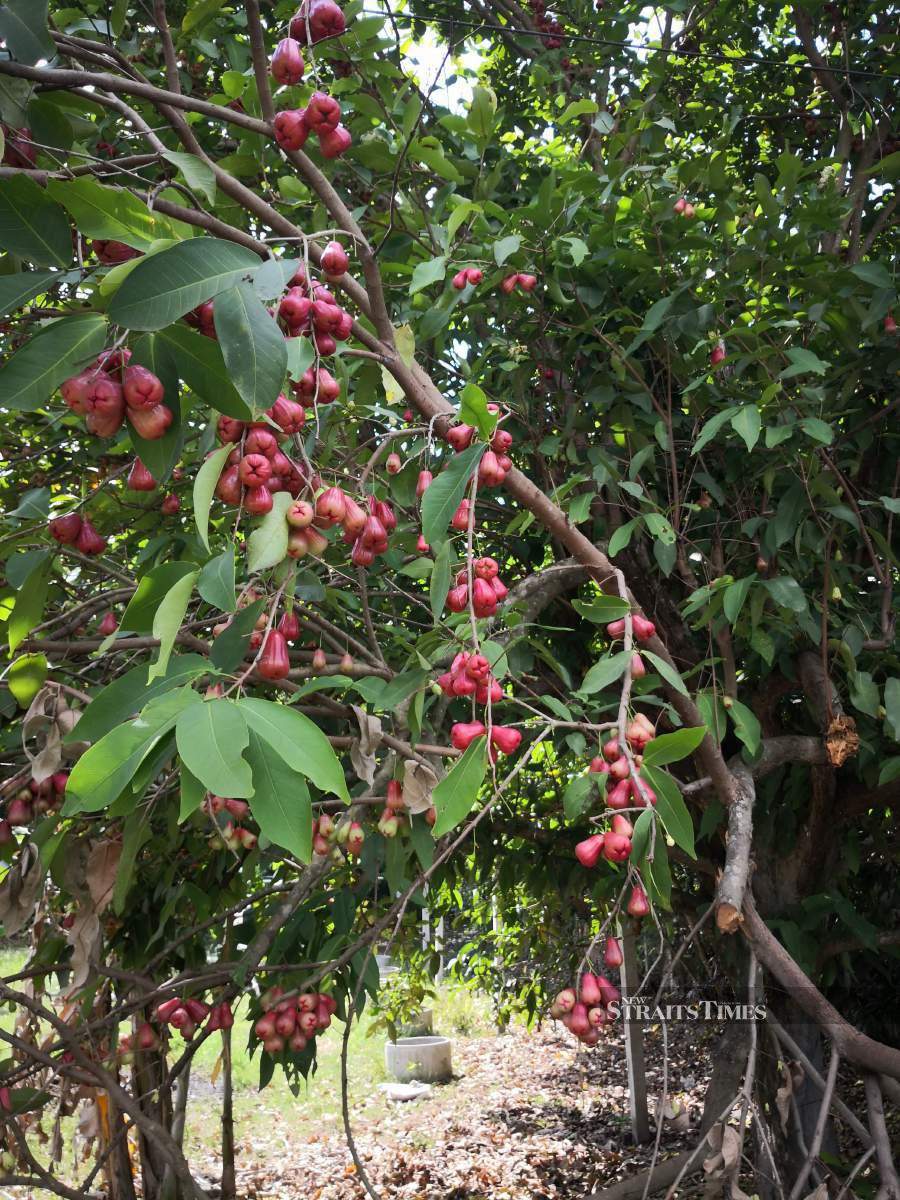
x=733 y=884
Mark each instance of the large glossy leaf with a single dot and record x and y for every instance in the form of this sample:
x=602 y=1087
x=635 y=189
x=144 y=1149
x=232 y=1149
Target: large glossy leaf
x=201 y=365
x=252 y=345
x=32 y=225
x=442 y=498
x=300 y=742
x=167 y=620
x=280 y=803
x=457 y=792
x=671 y=807
x=672 y=747
x=32 y=375
x=23 y=27
x=216 y=582
x=604 y=673
x=110 y=764
x=109 y=213
x=130 y=692
x=267 y=544
x=29 y=607
x=204 y=487
x=19 y=288
x=167 y=285
x=211 y=738
x=152 y=589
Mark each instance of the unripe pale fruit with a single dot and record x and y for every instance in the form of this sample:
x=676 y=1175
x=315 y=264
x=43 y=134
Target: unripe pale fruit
x=566 y=1000
x=170 y=505
x=588 y=852
x=347 y=662
x=621 y=825
x=319 y=661
x=619 y=769
x=300 y=514
x=612 y=954
x=393 y=464
x=597 y=1017
x=287 y=65
x=355 y=838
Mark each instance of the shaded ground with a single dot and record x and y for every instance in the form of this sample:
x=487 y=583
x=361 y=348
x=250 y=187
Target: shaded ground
x=528 y=1117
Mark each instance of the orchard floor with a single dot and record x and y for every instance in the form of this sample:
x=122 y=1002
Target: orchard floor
x=527 y=1117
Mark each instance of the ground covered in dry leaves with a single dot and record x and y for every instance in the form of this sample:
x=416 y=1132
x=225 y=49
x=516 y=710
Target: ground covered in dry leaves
x=527 y=1117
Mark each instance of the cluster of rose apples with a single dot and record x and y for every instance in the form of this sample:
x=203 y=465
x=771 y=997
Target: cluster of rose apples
x=525 y=283
x=585 y=1010
x=321 y=116
x=547 y=25
x=75 y=530
x=328 y=836
x=258 y=467
x=110 y=389
x=623 y=785
x=470 y=675
x=292 y=1021
x=232 y=833
x=309 y=309
x=488 y=589
x=684 y=208
x=186 y=1016
x=29 y=802
x=494 y=464
x=315 y=20
x=502 y=737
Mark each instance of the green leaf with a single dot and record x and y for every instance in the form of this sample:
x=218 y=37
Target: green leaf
x=819 y=431
x=578 y=108
x=803 y=362
x=875 y=274
x=211 y=738
x=578 y=249
x=252 y=345
x=669 y=674
x=205 y=483
x=191 y=794
x=231 y=646
x=864 y=694
x=622 y=536
x=711 y=428
x=786 y=592
x=112 y=214
x=670 y=806
x=640 y=839
x=216 y=583
x=32 y=375
x=892 y=706
x=32 y=225
x=280 y=803
x=136 y=832
x=473 y=410
x=197 y=174
x=167 y=621
x=26 y=677
x=167 y=285
x=746 y=726
x=153 y=587
x=442 y=498
x=506 y=246
x=440 y=580
x=106 y=769
x=457 y=792
x=23 y=26
x=299 y=741
x=199 y=13
x=20 y=287
x=734 y=597
x=672 y=747
x=606 y=672
x=577 y=796
x=202 y=367
x=482 y=112
x=267 y=545
x=427 y=273
x=29 y=607
x=658 y=875
x=131 y=692
x=748 y=423
x=602 y=609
